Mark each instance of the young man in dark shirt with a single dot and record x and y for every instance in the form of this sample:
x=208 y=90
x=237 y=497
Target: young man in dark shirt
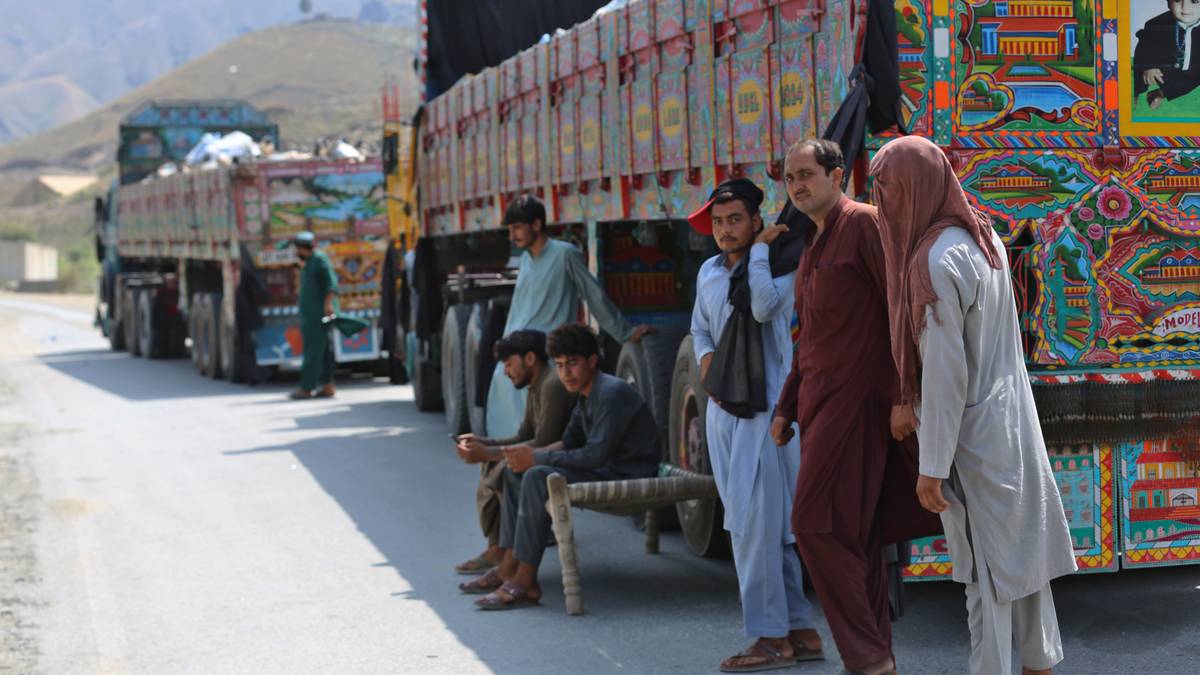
x=611 y=436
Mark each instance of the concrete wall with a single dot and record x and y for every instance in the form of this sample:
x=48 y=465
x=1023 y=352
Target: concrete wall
x=24 y=261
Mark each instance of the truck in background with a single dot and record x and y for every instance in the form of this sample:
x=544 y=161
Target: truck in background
x=181 y=252
x=623 y=123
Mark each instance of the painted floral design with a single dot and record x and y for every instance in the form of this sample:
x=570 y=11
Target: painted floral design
x=1087 y=214
x=1094 y=231
x=1114 y=203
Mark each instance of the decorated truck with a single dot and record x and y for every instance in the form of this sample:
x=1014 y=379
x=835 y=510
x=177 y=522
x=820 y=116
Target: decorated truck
x=201 y=255
x=1088 y=168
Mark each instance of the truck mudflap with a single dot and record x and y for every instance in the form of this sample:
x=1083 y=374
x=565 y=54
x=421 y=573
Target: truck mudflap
x=279 y=343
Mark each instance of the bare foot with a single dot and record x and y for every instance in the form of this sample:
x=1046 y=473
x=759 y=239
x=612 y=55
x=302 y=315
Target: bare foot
x=881 y=668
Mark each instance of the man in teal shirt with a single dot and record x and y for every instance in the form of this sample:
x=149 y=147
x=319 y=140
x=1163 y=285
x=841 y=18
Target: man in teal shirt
x=318 y=299
x=551 y=280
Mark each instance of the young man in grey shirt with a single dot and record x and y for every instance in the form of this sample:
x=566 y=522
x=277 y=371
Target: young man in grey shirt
x=611 y=436
x=547 y=408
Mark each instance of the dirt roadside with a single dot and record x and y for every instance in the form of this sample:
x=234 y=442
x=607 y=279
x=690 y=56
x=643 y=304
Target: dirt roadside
x=20 y=578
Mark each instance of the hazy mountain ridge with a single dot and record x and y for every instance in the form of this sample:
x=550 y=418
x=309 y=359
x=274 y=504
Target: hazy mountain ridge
x=60 y=59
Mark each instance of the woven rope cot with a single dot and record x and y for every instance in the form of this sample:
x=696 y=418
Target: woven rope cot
x=618 y=497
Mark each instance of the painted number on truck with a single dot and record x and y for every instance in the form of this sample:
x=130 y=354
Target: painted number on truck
x=670 y=117
x=749 y=102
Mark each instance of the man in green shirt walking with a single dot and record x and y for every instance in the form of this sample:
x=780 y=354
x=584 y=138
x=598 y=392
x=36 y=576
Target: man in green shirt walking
x=318 y=299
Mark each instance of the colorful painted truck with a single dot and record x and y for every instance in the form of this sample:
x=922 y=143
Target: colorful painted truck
x=180 y=251
x=623 y=124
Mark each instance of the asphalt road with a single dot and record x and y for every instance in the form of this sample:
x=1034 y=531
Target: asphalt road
x=152 y=521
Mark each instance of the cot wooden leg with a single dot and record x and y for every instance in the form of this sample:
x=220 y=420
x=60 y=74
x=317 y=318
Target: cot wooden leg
x=564 y=532
x=651 y=531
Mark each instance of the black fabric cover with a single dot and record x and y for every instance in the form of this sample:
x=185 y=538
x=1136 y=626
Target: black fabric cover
x=873 y=101
x=466 y=36
x=427 y=282
x=737 y=376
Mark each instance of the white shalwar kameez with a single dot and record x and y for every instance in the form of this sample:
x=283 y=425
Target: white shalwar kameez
x=1006 y=530
x=755 y=478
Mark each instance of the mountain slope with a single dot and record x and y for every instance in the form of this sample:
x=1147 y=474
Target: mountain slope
x=107 y=48
x=315 y=79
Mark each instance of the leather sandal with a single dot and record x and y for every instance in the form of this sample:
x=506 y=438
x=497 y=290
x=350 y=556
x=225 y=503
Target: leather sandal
x=517 y=598
x=485 y=584
x=767 y=659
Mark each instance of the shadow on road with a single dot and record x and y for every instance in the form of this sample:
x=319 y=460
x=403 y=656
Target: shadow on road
x=414 y=500
x=140 y=379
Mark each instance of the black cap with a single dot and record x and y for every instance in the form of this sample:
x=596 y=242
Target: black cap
x=744 y=188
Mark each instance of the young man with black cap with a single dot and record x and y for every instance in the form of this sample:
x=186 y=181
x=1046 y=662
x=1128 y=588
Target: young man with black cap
x=547 y=408
x=551 y=281
x=318 y=299
x=743 y=309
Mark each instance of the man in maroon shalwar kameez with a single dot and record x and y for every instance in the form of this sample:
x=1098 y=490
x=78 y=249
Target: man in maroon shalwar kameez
x=842 y=391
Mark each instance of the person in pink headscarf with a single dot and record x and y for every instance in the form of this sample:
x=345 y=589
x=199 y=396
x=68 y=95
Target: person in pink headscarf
x=964 y=389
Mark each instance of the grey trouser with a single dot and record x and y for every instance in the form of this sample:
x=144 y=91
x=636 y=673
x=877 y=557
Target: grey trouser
x=1030 y=621
x=524 y=520
x=487 y=499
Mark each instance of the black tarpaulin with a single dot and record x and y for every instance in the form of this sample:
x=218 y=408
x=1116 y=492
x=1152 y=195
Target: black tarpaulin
x=466 y=36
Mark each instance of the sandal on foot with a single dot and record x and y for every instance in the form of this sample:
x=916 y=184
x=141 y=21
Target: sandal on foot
x=765 y=657
x=802 y=653
x=490 y=581
x=477 y=565
x=300 y=395
x=517 y=598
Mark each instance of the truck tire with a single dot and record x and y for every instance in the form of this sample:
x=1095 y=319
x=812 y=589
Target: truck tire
x=454 y=365
x=212 y=334
x=151 y=327
x=700 y=519
x=476 y=414
x=233 y=366
x=648 y=366
x=116 y=330
x=129 y=317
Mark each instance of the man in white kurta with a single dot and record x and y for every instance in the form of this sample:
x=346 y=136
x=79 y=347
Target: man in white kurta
x=956 y=342
x=754 y=476
x=979 y=431
x=551 y=279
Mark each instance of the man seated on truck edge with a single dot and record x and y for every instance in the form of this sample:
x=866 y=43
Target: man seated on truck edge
x=611 y=436
x=547 y=409
x=551 y=279
x=318 y=299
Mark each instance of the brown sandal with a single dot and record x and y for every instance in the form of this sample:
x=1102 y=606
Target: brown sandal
x=517 y=598
x=767 y=659
x=477 y=565
x=490 y=581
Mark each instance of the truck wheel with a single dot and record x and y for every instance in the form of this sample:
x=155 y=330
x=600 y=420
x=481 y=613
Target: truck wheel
x=476 y=414
x=129 y=317
x=648 y=366
x=151 y=325
x=212 y=334
x=700 y=519
x=454 y=380
x=233 y=366
x=116 y=330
